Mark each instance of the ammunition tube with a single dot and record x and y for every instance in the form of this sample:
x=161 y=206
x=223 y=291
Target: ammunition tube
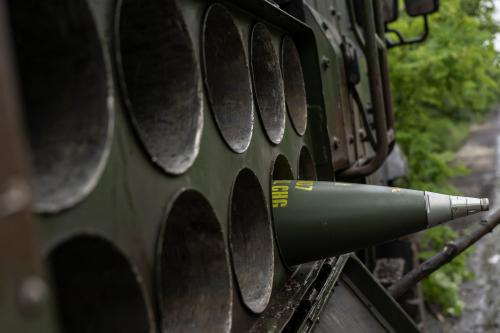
x=315 y=220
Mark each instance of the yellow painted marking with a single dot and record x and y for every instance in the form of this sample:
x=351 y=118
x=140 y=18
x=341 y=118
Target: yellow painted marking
x=396 y=190
x=279 y=188
x=280 y=203
x=305 y=185
x=279 y=194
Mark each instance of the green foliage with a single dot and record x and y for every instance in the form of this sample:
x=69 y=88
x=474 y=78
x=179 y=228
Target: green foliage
x=440 y=87
x=442 y=287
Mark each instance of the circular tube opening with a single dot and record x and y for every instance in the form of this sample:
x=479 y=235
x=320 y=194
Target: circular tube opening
x=281 y=169
x=161 y=81
x=307 y=168
x=251 y=241
x=227 y=78
x=295 y=90
x=268 y=83
x=97 y=289
x=193 y=277
x=64 y=84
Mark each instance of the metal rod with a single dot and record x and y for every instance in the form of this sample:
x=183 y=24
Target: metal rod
x=448 y=253
x=384 y=69
x=411 y=41
x=364 y=168
x=355 y=28
x=364 y=118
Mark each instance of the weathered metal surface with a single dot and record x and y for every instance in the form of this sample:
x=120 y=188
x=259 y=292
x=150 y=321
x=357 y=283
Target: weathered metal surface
x=312 y=304
x=160 y=79
x=268 y=83
x=127 y=206
x=334 y=295
x=364 y=167
x=322 y=155
x=295 y=91
x=167 y=204
x=227 y=77
x=66 y=98
x=251 y=241
x=338 y=117
x=193 y=282
x=384 y=71
x=287 y=298
x=337 y=218
x=360 y=304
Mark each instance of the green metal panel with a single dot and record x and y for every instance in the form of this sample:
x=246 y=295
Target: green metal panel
x=360 y=304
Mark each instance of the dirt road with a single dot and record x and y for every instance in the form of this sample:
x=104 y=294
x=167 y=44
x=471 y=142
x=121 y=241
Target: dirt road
x=481 y=154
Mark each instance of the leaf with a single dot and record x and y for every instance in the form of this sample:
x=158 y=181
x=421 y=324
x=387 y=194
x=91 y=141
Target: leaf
x=440 y=87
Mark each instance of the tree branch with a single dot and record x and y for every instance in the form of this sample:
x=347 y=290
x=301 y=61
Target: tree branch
x=448 y=253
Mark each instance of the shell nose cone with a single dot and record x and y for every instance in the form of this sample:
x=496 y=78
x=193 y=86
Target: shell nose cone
x=485 y=204
x=442 y=208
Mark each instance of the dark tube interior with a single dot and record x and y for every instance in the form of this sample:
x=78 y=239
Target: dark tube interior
x=307 y=168
x=96 y=288
x=268 y=83
x=251 y=241
x=65 y=97
x=295 y=90
x=281 y=169
x=193 y=276
x=161 y=81
x=227 y=78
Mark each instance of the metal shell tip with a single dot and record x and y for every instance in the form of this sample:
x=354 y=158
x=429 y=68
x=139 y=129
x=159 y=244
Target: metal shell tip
x=485 y=204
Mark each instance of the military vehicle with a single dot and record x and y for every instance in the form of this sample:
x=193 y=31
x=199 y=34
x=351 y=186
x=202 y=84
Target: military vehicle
x=144 y=149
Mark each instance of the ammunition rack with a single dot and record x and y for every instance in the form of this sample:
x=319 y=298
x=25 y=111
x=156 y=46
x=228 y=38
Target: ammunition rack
x=156 y=128
x=154 y=136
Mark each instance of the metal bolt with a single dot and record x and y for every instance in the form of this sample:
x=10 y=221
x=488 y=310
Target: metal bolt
x=336 y=143
x=31 y=294
x=324 y=25
x=333 y=11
